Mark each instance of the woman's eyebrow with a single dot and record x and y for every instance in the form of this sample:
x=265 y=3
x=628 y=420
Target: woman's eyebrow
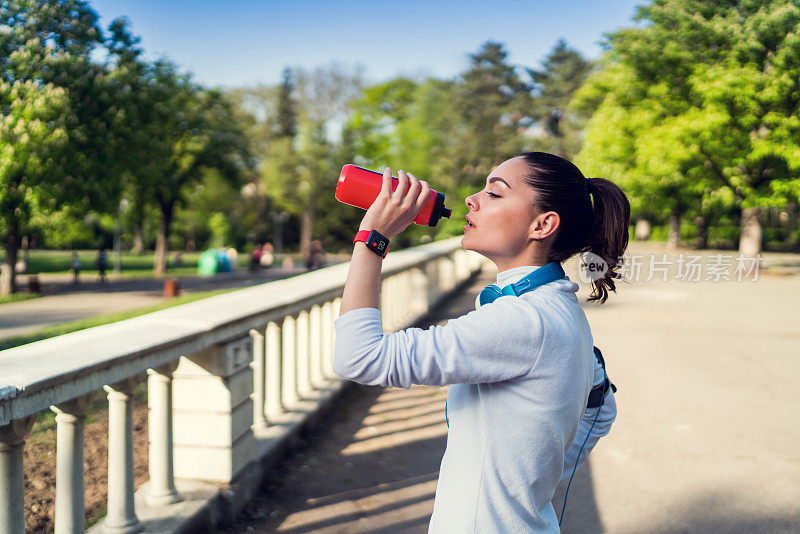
x=498 y=179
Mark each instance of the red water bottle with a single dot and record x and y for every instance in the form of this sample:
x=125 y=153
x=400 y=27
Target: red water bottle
x=360 y=187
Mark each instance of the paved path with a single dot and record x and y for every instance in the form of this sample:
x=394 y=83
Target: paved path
x=90 y=299
x=707 y=438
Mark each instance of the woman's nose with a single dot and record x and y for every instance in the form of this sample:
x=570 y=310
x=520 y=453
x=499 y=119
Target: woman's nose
x=470 y=202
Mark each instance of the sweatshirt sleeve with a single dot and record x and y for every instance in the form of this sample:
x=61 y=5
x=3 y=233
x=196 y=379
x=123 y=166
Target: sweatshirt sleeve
x=496 y=342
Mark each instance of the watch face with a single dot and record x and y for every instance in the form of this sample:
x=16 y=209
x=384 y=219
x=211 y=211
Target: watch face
x=377 y=242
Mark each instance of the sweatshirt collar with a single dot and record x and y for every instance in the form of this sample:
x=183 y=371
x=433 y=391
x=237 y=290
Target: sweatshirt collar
x=509 y=276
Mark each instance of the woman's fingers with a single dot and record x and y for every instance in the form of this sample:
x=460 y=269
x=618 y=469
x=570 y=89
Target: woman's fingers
x=422 y=198
x=402 y=187
x=413 y=191
x=386 y=184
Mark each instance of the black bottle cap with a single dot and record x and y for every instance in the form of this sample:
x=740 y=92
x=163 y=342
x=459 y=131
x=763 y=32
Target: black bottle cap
x=439 y=210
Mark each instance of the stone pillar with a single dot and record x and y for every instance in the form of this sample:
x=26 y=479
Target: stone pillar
x=446 y=274
x=121 y=516
x=418 y=292
x=383 y=303
x=405 y=292
x=304 y=387
x=336 y=308
x=315 y=346
x=289 y=362
x=213 y=412
x=70 y=509
x=274 y=386
x=161 y=489
x=432 y=276
x=12 y=488
x=327 y=340
x=259 y=376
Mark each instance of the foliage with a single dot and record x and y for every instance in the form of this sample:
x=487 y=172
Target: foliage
x=703 y=120
x=58 y=140
x=563 y=72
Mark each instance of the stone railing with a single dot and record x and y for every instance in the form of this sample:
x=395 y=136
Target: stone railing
x=231 y=381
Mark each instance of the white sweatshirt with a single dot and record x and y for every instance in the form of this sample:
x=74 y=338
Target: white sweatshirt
x=520 y=370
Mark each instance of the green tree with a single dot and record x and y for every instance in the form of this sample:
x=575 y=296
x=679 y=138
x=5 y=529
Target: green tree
x=197 y=131
x=46 y=64
x=409 y=125
x=300 y=172
x=32 y=133
x=705 y=98
x=494 y=104
x=563 y=72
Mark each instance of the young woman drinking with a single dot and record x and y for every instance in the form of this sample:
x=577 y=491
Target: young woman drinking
x=520 y=366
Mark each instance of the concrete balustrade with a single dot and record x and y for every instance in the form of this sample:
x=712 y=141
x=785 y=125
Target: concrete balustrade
x=230 y=380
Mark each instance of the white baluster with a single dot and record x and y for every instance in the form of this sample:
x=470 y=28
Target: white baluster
x=121 y=517
x=273 y=372
x=289 y=362
x=304 y=387
x=161 y=488
x=327 y=339
x=70 y=418
x=259 y=386
x=12 y=498
x=315 y=346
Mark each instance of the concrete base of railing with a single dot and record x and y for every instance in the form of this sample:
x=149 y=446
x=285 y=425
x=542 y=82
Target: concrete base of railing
x=206 y=506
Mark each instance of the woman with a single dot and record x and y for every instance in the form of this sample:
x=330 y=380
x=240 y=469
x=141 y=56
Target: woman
x=520 y=368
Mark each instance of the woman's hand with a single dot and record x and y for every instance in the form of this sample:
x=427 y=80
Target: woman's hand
x=393 y=211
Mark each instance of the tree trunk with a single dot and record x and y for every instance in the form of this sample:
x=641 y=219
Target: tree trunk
x=162 y=242
x=138 y=240
x=674 y=239
x=750 y=239
x=306 y=226
x=792 y=226
x=8 y=276
x=702 y=232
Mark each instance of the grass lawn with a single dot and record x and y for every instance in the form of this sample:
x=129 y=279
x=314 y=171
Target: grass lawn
x=60 y=262
x=16 y=297
x=81 y=324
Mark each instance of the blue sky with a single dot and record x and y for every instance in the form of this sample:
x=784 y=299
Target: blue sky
x=247 y=42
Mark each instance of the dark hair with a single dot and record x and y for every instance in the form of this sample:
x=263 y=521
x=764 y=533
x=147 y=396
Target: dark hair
x=601 y=229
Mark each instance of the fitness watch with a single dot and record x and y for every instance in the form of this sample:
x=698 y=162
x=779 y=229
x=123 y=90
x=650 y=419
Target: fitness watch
x=376 y=242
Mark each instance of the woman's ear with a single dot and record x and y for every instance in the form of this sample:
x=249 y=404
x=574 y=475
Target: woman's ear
x=544 y=225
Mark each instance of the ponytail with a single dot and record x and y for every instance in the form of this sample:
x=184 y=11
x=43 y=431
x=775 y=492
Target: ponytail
x=594 y=213
x=609 y=237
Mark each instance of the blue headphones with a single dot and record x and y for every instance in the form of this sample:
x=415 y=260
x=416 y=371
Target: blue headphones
x=541 y=276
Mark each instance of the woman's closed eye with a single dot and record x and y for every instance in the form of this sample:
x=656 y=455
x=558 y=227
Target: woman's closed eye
x=493 y=195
